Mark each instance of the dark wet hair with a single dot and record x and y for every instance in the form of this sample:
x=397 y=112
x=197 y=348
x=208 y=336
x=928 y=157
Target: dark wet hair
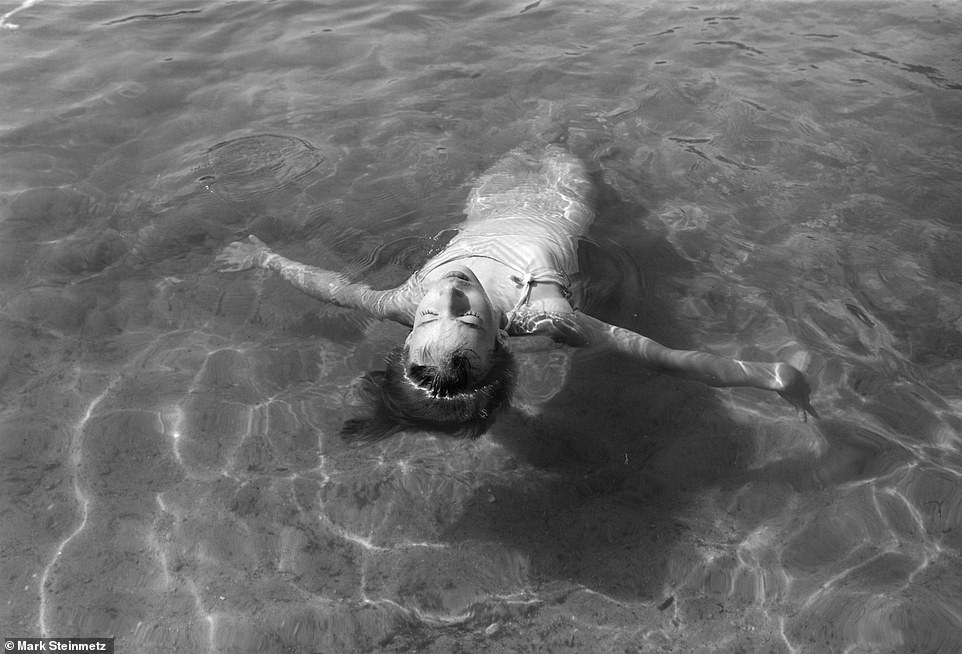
x=444 y=397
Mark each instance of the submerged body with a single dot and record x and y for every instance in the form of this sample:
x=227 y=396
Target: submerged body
x=525 y=218
x=512 y=270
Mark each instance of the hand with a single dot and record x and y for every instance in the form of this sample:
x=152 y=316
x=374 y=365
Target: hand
x=795 y=389
x=241 y=255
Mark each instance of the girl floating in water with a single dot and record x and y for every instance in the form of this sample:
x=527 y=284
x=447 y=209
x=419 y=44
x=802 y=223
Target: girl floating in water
x=510 y=271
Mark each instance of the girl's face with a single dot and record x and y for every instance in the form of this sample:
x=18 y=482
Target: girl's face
x=454 y=314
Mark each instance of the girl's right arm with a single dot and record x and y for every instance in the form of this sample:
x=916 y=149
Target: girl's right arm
x=325 y=285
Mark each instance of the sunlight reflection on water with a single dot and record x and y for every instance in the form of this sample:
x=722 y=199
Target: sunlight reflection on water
x=775 y=181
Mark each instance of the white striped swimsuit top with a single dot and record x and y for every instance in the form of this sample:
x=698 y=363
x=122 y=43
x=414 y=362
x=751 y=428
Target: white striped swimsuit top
x=527 y=212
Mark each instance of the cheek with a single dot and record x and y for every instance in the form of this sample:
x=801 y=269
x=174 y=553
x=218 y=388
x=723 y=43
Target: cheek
x=485 y=342
x=415 y=339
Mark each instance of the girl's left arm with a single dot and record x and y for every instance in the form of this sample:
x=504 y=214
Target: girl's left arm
x=705 y=367
x=325 y=285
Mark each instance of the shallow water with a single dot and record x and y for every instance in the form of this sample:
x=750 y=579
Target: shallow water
x=777 y=180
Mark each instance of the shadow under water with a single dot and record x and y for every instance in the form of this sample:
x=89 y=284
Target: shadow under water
x=610 y=460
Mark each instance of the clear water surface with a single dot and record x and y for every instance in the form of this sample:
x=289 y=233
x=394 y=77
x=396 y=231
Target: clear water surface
x=777 y=180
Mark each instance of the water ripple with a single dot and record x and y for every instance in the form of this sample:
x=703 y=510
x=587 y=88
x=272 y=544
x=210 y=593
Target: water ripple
x=772 y=184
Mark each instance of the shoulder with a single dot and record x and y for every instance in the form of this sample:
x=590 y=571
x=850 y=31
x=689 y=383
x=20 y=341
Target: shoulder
x=398 y=304
x=561 y=325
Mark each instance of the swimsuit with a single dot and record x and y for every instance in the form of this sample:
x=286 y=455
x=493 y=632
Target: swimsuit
x=528 y=213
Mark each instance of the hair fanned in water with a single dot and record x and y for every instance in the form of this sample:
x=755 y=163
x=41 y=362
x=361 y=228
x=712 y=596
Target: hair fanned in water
x=444 y=398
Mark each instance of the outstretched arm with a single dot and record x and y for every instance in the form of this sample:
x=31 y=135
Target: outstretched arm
x=322 y=284
x=707 y=368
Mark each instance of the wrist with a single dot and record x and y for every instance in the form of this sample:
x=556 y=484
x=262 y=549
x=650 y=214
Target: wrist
x=782 y=375
x=264 y=258
x=766 y=376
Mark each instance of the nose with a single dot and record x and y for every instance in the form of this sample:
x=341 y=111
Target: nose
x=453 y=301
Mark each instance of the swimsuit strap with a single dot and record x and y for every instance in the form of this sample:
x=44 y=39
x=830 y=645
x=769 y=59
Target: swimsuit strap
x=529 y=280
x=562 y=326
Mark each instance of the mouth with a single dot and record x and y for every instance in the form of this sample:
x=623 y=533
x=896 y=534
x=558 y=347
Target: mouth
x=457 y=274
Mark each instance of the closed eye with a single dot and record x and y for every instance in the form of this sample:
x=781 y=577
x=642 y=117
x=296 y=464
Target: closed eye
x=427 y=315
x=471 y=319
x=468 y=318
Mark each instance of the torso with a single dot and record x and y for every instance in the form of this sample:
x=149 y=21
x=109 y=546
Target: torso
x=525 y=218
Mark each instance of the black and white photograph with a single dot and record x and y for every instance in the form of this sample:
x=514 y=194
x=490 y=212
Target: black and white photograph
x=481 y=326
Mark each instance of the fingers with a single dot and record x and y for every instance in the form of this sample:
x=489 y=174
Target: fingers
x=799 y=398
x=232 y=258
x=227 y=265
x=239 y=255
x=802 y=403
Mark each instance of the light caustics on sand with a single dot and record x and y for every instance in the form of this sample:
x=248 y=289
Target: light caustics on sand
x=751 y=567
x=5 y=19
x=83 y=500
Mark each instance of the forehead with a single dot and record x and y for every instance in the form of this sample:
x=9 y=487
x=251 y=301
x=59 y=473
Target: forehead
x=444 y=334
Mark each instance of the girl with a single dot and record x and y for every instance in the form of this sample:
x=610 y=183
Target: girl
x=510 y=271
